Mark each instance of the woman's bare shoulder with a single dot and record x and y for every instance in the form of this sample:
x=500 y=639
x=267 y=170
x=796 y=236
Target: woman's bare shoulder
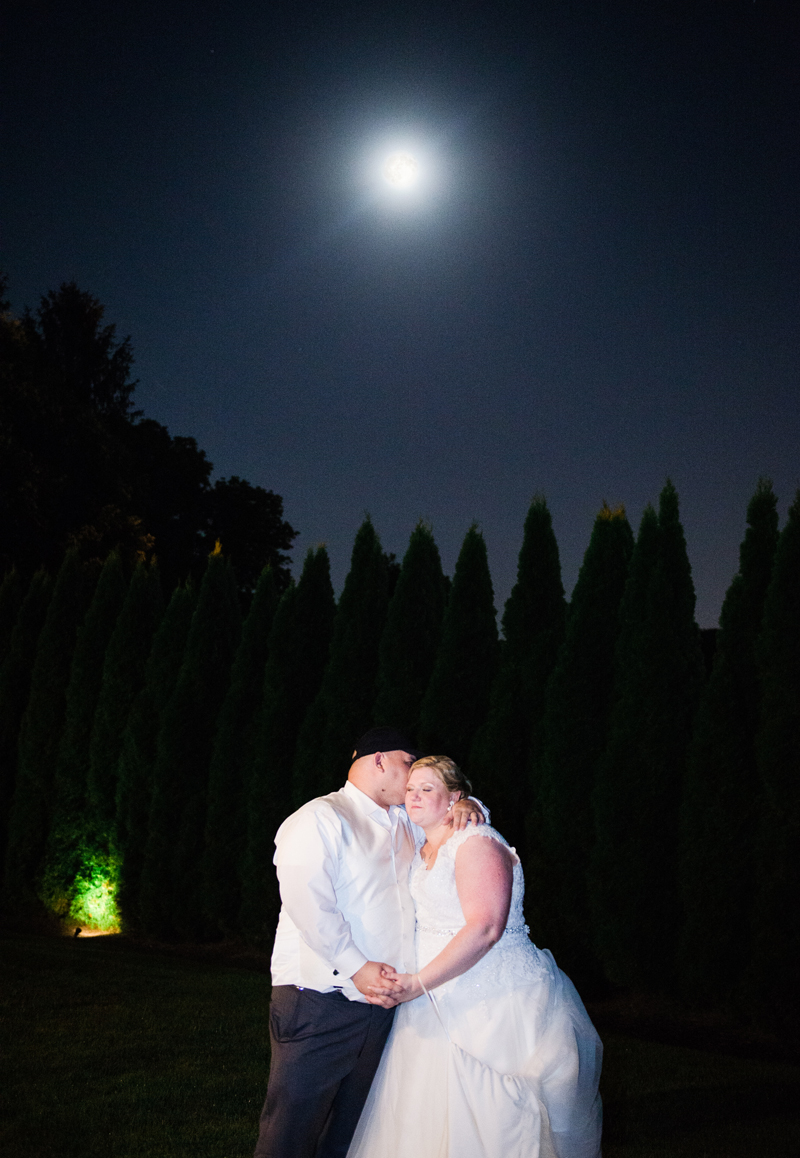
x=493 y=843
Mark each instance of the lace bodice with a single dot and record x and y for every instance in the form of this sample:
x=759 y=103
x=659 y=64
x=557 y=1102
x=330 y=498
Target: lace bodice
x=440 y=916
x=435 y=894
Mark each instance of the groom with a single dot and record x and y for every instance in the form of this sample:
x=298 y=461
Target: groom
x=343 y=863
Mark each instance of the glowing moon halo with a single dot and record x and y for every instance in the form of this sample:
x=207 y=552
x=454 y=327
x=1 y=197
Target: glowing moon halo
x=400 y=170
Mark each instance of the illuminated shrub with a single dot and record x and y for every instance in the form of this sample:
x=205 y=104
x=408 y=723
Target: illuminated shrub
x=93 y=896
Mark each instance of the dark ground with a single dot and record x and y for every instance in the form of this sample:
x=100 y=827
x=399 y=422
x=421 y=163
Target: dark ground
x=114 y=1049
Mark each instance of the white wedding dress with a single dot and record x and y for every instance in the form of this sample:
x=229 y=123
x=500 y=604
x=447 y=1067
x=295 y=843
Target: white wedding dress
x=516 y=1012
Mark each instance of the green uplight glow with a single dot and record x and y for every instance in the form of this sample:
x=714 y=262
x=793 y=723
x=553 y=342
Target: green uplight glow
x=94 y=897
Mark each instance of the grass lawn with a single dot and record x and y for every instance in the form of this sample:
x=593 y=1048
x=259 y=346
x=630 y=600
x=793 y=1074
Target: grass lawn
x=110 y=1051
x=666 y=1101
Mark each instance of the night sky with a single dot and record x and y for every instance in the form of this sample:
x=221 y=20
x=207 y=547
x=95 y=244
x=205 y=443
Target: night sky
x=593 y=285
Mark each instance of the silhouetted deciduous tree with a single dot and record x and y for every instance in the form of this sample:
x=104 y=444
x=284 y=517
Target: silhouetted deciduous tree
x=249 y=522
x=78 y=354
x=171 y=493
x=79 y=467
x=65 y=405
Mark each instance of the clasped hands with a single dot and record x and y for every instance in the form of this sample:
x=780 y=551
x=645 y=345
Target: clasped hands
x=383 y=985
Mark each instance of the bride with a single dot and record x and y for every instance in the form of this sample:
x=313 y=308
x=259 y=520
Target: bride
x=492 y=1054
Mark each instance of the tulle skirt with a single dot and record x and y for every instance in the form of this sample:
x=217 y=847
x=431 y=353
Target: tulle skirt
x=519 y=1015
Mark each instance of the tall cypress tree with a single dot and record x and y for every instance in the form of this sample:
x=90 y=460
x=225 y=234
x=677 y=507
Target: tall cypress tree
x=138 y=752
x=12 y=591
x=348 y=685
x=226 y=823
x=573 y=739
x=456 y=702
x=308 y=780
x=42 y=726
x=298 y=652
x=67 y=839
x=533 y=626
x=15 y=682
x=171 y=896
x=636 y=799
x=721 y=795
x=123 y=677
x=775 y=921
x=411 y=636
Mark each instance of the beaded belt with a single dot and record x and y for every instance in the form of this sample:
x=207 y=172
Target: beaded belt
x=452 y=932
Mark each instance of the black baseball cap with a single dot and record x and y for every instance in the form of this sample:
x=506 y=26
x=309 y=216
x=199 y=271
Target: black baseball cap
x=384 y=740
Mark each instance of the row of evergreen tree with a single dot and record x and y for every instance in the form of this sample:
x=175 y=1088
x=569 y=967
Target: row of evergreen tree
x=149 y=752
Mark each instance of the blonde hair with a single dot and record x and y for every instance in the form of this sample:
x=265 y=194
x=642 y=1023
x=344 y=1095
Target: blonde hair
x=448 y=771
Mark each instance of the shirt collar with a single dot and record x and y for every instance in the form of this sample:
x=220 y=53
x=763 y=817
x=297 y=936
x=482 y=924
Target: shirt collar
x=368 y=806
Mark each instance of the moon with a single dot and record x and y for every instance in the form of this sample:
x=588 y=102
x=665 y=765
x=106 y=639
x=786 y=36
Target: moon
x=400 y=170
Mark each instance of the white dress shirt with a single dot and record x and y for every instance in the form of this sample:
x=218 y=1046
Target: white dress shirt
x=343 y=863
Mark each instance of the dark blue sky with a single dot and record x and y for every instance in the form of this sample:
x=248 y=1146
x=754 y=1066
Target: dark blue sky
x=594 y=286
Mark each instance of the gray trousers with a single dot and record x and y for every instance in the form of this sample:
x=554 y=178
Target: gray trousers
x=325 y=1051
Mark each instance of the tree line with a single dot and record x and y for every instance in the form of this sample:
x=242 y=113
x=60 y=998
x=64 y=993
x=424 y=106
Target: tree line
x=150 y=749
x=159 y=720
